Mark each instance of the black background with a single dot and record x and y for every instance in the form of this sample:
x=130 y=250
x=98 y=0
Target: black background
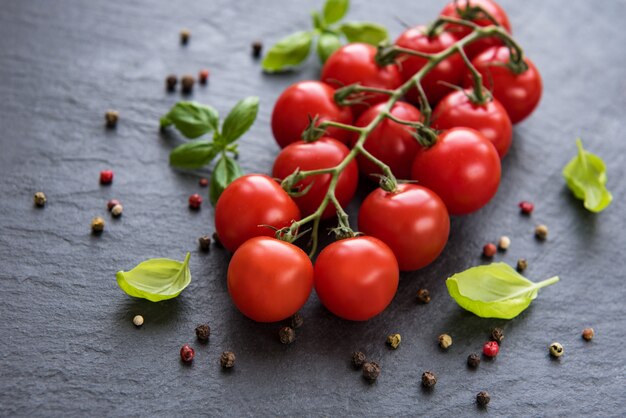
x=68 y=346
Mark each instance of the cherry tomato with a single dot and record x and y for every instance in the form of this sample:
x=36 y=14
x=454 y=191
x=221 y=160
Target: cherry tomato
x=490 y=118
x=413 y=221
x=269 y=279
x=301 y=100
x=356 y=278
x=323 y=153
x=518 y=93
x=247 y=204
x=461 y=31
x=450 y=70
x=390 y=141
x=354 y=63
x=463 y=168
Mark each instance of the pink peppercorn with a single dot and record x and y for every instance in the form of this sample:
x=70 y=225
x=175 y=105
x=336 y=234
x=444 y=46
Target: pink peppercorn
x=111 y=203
x=491 y=348
x=203 y=182
x=106 y=177
x=195 y=201
x=203 y=76
x=489 y=250
x=526 y=207
x=187 y=353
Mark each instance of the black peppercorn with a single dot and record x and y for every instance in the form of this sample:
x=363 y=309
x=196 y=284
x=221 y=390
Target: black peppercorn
x=483 y=398
x=522 y=264
x=216 y=240
x=429 y=379
x=423 y=296
x=203 y=332
x=227 y=359
x=296 y=320
x=257 y=47
x=358 y=359
x=187 y=83
x=497 y=335
x=111 y=117
x=184 y=36
x=473 y=360
x=205 y=242
x=170 y=82
x=371 y=370
x=286 y=335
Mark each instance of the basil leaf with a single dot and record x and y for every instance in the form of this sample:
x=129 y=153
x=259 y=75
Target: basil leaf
x=327 y=43
x=195 y=154
x=585 y=175
x=156 y=279
x=494 y=291
x=288 y=52
x=318 y=21
x=335 y=10
x=225 y=172
x=192 y=119
x=240 y=118
x=369 y=33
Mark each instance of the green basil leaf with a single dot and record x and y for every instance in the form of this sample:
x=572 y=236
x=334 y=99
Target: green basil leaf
x=156 y=279
x=240 y=118
x=192 y=119
x=327 y=43
x=225 y=172
x=288 y=52
x=369 y=33
x=494 y=291
x=335 y=10
x=318 y=21
x=585 y=175
x=191 y=155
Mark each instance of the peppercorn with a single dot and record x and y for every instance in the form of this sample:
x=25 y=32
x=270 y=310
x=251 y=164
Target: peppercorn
x=522 y=264
x=187 y=353
x=588 y=334
x=187 y=83
x=203 y=331
x=203 y=76
x=371 y=370
x=203 y=182
x=111 y=203
x=541 y=232
x=97 y=225
x=286 y=335
x=170 y=82
x=296 y=320
x=216 y=240
x=423 y=296
x=491 y=349
x=394 y=340
x=473 y=360
x=526 y=207
x=111 y=117
x=138 y=320
x=257 y=47
x=429 y=379
x=497 y=335
x=195 y=201
x=489 y=250
x=184 y=36
x=205 y=242
x=504 y=243
x=227 y=359
x=358 y=359
x=556 y=350
x=445 y=341
x=40 y=199
x=106 y=177
x=116 y=211
x=483 y=398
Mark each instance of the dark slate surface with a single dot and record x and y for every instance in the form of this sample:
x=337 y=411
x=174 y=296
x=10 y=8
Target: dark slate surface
x=68 y=347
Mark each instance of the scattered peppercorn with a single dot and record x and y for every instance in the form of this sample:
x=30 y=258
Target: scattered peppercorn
x=445 y=341
x=371 y=370
x=483 y=398
x=556 y=350
x=195 y=201
x=203 y=332
x=588 y=334
x=116 y=211
x=170 y=82
x=138 y=320
x=97 y=225
x=187 y=353
x=526 y=207
x=522 y=264
x=286 y=335
x=205 y=242
x=541 y=232
x=184 y=36
x=257 y=47
x=187 y=83
x=111 y=203
x=504 y=243
x=297 y=320
x=227 y=359
x=203 y=182
x=423 y=296
x=203 y=76
x=40 y=199
x=111 y=117
x=497 y=335
x=489 y=250
x=394 y=340
x=491 y=349
x=429 y=379
x=473 y=360
x=358 y=359
x=106 y=177
x=216 y=240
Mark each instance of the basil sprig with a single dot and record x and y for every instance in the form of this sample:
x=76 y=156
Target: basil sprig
x=194 y=120
x=292 y=50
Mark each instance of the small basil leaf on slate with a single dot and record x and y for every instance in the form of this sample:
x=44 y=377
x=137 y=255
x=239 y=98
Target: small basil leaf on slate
x=335 y=10
x=195 y=154
x=369 y=33
x=225 y=172
x=288 y=52
x=192 y=119
x=240 y=118
x=327 y=43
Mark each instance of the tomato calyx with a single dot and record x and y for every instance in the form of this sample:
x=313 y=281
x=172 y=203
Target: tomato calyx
x=313 y=131
x=291 y=186
x=356 y=94
x=425 y=136
x=473 y=12
x=388 y=184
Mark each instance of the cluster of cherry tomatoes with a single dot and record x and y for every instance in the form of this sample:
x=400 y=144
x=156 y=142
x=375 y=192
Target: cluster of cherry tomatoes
x=404 y=229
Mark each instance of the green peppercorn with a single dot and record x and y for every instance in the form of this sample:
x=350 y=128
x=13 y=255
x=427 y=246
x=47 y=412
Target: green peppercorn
x=394 y=340
x=522 y=264
x=40 y=199
x=556 y=350
x=111 y=117
x=184 y=36
x=445 y=341
x=97 y=225
x=541 y=232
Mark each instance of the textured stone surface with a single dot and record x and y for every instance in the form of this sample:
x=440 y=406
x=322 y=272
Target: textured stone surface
x=68 y=346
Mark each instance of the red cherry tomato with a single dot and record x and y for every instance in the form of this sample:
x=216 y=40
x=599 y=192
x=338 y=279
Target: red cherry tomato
x=413 y=221
x=323 y=153
x=463 y=168
x=450 y=70
x=490 y=118
x=356 y=278
x=390 y=141
x=461 y=31
x=247 y=204
x=354 y=63
x=301 y=100
x=518 y=93
x=269 y=280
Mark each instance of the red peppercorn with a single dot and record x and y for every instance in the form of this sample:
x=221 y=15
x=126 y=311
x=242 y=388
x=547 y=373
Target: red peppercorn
x=489 y=250
x=203 y=76
x=195 y=201
x=111 y=203
x=106 y=177
x=187 y=353
x=491 y=348
x=526 y=207
x=203 y=182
